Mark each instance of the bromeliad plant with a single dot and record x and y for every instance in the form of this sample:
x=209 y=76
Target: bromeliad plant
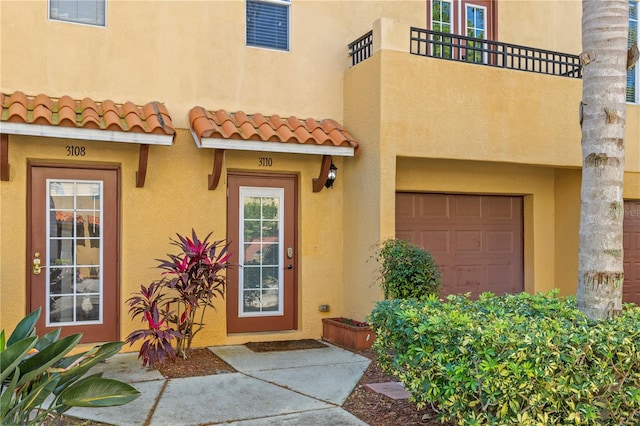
x=38 y=383
x=174 y=306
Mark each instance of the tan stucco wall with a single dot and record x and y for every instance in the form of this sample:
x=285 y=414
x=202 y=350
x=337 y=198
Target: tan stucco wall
x=363 y=184
x=479 y=113
x=187 y=53
x=552 y=25
x=174 y=199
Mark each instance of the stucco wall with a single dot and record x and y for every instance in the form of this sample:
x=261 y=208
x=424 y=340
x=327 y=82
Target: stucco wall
x=174 y=199
x=187 y=53
x=445 y=109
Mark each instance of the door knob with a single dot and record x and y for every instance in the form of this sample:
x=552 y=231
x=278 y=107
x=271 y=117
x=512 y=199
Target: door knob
x=37 y=268
x=290 y=266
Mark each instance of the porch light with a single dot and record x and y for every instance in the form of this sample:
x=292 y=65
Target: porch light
x=331 y=177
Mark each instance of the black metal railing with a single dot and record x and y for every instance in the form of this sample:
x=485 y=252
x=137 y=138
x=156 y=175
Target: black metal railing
x=453 y=47
x=360 y=49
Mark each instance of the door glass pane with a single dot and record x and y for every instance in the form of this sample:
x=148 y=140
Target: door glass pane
x=261 y=218
x=74 y=281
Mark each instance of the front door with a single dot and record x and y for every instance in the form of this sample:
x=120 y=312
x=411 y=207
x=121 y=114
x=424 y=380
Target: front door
x=262 y=290
x=72 y=249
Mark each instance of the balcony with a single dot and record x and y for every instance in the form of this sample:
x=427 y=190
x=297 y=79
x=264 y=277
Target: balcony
x=435 y=44
x=424 y=94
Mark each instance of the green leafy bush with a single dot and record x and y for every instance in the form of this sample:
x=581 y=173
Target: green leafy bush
x=32 y=369
x=406 y=270
x=516 y=359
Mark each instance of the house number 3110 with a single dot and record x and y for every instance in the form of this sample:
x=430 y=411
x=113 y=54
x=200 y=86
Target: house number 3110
x=265 y=162
x=75 y=151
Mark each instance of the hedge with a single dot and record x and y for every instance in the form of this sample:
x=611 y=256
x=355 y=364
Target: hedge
x=516 y=359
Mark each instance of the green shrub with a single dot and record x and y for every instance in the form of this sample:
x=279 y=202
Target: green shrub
x=37 y=381
x=406 y=270
x=516 y=359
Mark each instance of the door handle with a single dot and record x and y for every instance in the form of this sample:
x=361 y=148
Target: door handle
x=37 y=268
x=290 y=266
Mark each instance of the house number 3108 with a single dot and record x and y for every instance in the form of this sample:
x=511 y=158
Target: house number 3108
x=265 y=162
x=75 y=151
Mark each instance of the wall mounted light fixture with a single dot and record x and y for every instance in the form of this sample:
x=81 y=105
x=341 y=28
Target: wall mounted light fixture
x=331 y=177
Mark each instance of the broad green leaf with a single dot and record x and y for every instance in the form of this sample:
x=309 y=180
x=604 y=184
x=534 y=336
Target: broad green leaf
x=44 y=359
x=7 y=394
x=25 y=328
x=98 y=392
x=13 y=355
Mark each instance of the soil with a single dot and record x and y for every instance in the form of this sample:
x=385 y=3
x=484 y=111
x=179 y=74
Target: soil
x=370 y=407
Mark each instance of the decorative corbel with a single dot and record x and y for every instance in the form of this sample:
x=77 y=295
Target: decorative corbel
x=214 y=177
x=4 y=156
x=141 y=174
x=318 y=183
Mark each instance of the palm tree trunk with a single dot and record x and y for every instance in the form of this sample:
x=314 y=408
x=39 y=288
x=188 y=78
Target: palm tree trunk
x=603 y=115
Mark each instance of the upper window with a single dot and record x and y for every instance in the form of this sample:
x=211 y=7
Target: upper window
x=90 y=12
x=632 y=74
x=472 y=18
x=268 y=23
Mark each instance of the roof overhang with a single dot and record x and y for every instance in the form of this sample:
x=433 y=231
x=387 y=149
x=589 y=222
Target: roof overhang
x=266 y=146
x=85 y=134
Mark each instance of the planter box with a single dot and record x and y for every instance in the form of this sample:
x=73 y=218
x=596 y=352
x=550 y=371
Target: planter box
x=345 y=335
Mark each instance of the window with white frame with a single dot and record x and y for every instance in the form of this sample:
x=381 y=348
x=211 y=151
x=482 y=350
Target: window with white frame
x=268 y=23
x=633 y=74
x=90 y=12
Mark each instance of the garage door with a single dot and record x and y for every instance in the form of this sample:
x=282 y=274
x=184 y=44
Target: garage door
x=476 y=240
x=631 y=287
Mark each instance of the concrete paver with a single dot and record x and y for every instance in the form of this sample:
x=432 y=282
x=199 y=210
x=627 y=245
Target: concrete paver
x=301 y=387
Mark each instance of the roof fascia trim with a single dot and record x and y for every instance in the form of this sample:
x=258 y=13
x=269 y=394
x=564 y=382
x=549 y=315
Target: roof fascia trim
x=86 y=134
x=290 y=148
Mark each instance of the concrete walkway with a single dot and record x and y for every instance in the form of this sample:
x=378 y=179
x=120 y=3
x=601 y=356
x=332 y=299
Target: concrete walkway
x=302 y=387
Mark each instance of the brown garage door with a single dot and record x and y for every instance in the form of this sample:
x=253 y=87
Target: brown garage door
x=476 y=240
x=631 y=287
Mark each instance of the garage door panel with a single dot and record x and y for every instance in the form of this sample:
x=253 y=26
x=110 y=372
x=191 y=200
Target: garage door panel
x=467 y=279
x=405 y=207
x=468 y=241
x=433 y=207
x=477 y=241
x=499 y=208
x=631 y=244
x=500 y=241
x=435 y=241
x=466 y=206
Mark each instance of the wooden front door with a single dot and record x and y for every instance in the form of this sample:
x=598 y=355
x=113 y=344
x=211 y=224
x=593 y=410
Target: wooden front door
x=72 y=250
x=262 y=289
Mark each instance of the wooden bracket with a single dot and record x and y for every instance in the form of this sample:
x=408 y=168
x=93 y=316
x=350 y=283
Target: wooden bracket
x=214 y=177
x=4 y=156
x=141 y=174
x=318 y=183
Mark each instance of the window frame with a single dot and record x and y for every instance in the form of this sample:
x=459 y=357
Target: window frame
x=281 y=3
x=76 y=20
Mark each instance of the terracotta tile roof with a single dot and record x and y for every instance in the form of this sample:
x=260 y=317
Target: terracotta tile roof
x=152 y=118
x=221 y=124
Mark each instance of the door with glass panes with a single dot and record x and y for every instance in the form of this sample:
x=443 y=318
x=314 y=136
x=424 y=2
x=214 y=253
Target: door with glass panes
x=72 y=250
x=262 y=289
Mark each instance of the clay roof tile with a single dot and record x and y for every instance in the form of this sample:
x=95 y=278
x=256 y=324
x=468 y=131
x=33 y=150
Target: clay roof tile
x=17 y=112
x=88 y=103
x=129 y=108
x=42 y=115
x=242 y=126
x=112 y=120
x=42 y=100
